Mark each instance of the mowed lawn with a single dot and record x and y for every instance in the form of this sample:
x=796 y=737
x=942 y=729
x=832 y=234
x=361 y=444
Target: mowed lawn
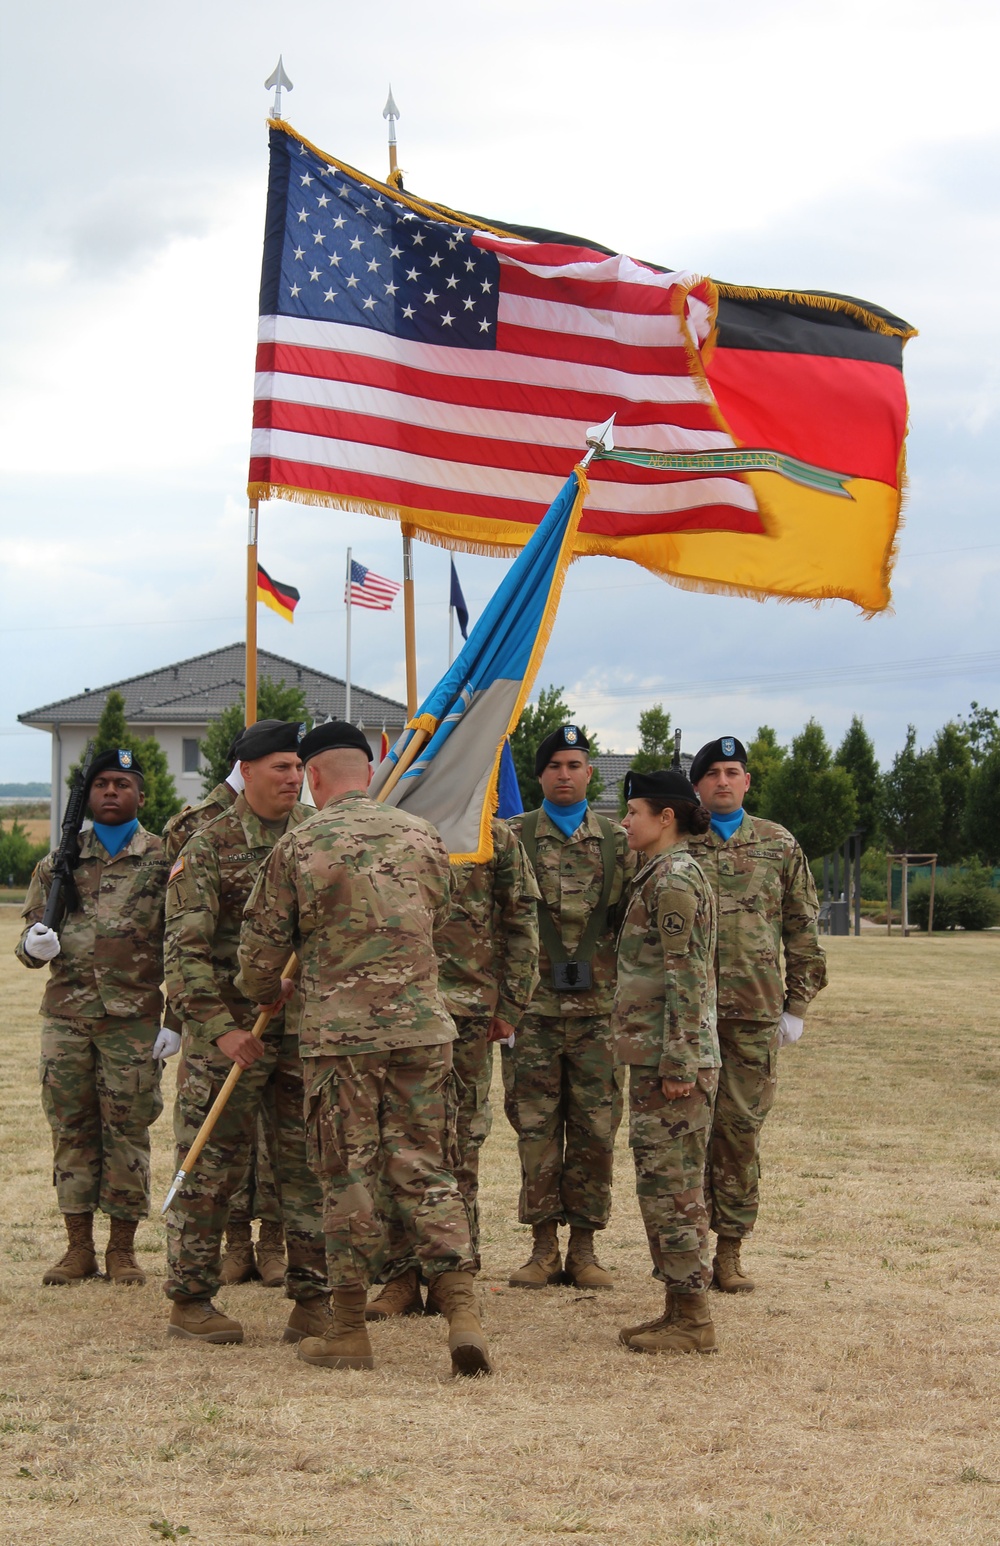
x=854 y=1398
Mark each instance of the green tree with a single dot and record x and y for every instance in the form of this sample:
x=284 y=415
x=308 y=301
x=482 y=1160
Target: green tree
x=18 y=855
x=981 y=729
x=539 y=720
x=953 y=761
x=981 y=827
x=274 y=701
x=656 y=743
x=763 y=756
x=161 y=792
x=810 y=796
x=857 y=754
x=911 y=801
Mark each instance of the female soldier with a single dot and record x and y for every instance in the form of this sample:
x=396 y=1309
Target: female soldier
x=664 y=1028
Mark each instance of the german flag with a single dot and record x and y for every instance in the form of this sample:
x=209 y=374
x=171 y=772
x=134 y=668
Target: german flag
x=282 y=599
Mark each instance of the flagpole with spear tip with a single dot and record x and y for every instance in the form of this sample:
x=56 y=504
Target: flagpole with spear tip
x=277 y=79
x=390 y=113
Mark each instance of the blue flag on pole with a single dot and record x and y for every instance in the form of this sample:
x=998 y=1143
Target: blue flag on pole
x=453 y=781
x=458 y=602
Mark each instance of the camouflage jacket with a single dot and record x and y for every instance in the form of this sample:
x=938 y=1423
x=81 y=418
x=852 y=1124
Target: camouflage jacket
x=193 y=817
x=111 y=960
x=206 y=891
x=359 y=893
x=488 y=949
x=571 y=879
x=765 y=898
x=664 y=1015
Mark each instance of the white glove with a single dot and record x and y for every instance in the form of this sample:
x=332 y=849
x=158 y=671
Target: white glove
x=790 y=1028
x=235 y=779
x=166 y=1044
x=42 y=943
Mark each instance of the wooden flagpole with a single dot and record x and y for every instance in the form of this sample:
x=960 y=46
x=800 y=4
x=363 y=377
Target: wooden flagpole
x=250 y=675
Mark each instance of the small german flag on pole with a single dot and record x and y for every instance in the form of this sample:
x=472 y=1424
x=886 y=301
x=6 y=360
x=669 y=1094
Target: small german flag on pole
x=282 y=599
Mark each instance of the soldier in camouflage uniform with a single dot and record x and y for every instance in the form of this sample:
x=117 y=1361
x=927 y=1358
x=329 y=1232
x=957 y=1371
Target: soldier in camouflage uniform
x=562 y=1089
x=358 y=893
x=766 y=903
x=256 y=1196
x=487 y=971
x=101 y=1037
x=207 y=888
x=664 y=1028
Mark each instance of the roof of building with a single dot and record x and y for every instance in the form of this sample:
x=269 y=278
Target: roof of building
x=613 y=766
x=197 y=690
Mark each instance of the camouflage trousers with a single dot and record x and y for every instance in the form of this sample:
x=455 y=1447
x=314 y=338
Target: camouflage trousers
x=473 y=1072
x=256 y=1197
x=669 y=1139
x=748 y=1080
x=101 y=1095
x=382 y=1119
x=563 y=1098
x=197 y=1219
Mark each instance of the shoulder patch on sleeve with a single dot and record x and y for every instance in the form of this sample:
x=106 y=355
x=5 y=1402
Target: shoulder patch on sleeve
x=677 y=912
x=177 y=868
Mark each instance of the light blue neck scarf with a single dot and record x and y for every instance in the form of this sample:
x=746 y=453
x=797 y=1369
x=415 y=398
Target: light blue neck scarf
x=727 y=825
x=115 y=838
x=566 y=817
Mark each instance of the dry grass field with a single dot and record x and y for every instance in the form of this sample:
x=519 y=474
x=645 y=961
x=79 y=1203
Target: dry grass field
x=854 y=1399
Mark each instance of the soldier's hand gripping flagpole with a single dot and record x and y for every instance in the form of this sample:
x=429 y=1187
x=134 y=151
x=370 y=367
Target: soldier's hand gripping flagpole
x=218 y=1105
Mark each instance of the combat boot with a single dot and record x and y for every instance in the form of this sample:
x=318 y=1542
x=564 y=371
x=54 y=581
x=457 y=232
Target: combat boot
x=345 y=1344
x=237 y=1264
x=727 y=1270
x=271 y=1263
x=690 y=1331
x=455 y=1293
x=119 y=1258
x=661 y=1321
x=80 y=1261
x=309 y=1318
x=400 y=1296
x=199 y=1320
x=544 y=1265
x=583 y=1270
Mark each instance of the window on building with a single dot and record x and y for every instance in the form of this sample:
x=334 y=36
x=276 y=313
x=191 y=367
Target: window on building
x=191 y=757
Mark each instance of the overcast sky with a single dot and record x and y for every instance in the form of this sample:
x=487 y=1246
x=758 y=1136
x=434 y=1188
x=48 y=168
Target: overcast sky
x=849 y=147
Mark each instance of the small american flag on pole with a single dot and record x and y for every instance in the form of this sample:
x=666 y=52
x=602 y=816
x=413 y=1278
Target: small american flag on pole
x=370 y=590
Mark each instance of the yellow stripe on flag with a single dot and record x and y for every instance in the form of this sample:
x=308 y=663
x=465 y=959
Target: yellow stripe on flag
x=272 y=601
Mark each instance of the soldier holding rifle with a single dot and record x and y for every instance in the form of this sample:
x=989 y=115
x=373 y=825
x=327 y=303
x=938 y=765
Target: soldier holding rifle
x=94 y=913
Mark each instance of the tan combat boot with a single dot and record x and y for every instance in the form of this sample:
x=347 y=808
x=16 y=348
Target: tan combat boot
x=727 y=1271
x=80 y=1261
x=455 y=1293
x=661 y=1321
x=400 y=1296
x=309 y=1318
x=345 y=1344
x=237 y=1264
x=271 y=1263
x=544 y=1265
x=119 y=1258
x=199 y=1320
x=690 y=1330
x=583 y=1270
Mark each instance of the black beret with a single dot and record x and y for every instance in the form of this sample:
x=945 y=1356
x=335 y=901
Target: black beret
x=122 y=760
x=726 y=749
x=265 y=737
x=568 y=738
x=664 y=784
x=336 y=733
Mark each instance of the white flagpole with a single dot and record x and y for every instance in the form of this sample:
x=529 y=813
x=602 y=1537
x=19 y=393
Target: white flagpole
x=347 y=657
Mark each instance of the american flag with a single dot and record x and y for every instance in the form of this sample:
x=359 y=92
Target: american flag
x=370 y=590
x=414 y=366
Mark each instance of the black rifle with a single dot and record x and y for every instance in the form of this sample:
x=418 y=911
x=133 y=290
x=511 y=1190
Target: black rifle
x=63 y=896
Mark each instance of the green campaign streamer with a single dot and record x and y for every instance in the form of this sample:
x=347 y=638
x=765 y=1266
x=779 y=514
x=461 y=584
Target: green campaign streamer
x=736 y=461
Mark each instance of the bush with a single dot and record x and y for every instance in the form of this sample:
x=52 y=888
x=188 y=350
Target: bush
x=963 y=904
